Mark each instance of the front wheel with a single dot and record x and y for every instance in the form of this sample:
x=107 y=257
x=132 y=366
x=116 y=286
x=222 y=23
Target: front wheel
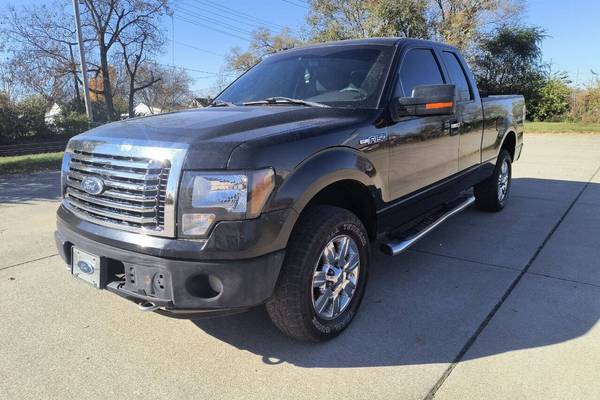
x=492 y=194
x=323 y=277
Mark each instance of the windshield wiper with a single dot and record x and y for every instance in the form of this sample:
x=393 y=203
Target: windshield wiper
x=221 y=103
x=285 y=100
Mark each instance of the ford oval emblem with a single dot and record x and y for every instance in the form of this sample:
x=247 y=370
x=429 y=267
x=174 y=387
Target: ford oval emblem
x=92 y=185
x=85 y=267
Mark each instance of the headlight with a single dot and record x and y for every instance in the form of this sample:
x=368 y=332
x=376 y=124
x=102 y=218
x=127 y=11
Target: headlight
x=208 y=197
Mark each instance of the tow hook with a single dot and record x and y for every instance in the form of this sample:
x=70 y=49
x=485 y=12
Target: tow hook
x=147 y=306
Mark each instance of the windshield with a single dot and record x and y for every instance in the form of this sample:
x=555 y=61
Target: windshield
x=337 y=76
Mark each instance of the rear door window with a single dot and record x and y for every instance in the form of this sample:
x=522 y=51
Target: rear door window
x=457 y=76
x=419 y=67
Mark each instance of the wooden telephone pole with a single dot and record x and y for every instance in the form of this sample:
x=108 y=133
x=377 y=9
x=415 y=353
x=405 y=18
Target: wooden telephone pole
x=86 y=88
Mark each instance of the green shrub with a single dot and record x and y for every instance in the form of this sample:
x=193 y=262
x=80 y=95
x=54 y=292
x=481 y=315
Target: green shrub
x=22 y=121
x=71 y=123
x=31 y=117
x=508 y=61
x=586 y=105
x=8 y=120
x=551 y=101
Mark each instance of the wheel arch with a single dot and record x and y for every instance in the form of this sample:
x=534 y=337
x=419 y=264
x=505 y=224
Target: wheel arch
x=352 y=196
x=341 y=177
x=509 y=142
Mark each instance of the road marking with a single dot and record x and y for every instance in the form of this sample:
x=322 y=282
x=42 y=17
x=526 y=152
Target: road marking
x=512 y=286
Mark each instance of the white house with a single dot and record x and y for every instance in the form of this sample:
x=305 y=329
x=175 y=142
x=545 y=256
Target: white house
x=52 y=114
x=142 y=110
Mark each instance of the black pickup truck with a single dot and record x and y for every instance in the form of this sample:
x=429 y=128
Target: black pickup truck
x=275 y=193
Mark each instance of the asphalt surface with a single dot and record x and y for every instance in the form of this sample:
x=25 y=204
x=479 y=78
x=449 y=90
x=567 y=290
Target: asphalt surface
x=490 y=306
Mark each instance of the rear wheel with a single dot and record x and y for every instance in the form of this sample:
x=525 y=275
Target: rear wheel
x=323 y=277
x=492 y=194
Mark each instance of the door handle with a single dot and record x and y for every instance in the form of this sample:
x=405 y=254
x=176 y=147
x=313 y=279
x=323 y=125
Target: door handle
x=455 y=127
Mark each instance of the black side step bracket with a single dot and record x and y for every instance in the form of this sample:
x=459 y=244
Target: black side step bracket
x=399 y=244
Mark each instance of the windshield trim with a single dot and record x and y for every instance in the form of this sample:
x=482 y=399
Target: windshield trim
x=388 y=78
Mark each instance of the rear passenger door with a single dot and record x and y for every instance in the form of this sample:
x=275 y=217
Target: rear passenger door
x=423 y=150
x=469 y=115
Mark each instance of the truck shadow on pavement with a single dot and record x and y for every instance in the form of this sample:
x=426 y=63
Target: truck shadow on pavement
x=27 y=188
x=422 y=306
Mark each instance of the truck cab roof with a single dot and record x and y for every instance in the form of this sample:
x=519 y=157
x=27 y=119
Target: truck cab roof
x=379 y=41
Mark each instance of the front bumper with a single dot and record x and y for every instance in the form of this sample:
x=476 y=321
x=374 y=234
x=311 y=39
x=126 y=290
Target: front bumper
x=169 y=273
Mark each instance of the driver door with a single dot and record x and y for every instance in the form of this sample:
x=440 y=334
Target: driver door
x=423 y=150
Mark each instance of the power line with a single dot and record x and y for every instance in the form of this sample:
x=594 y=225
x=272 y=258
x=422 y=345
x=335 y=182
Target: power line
x=230 y=28
x=207 y=74
x=218 y=22
x=192 y=70
x=223 y=25
x=240 y=13
x=296 y=4
x=196 y=23
x=227 y=15
x=197 y=48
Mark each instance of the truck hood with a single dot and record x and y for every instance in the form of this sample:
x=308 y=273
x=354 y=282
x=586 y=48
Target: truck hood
x=211 y=134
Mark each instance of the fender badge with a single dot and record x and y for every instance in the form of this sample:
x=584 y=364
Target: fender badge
x=372 y=139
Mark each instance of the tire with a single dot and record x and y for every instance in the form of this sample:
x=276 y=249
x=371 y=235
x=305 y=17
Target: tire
x=293 y=307
x=492 y=194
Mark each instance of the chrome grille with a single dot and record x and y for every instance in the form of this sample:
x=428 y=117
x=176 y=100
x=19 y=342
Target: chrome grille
x=135 y=189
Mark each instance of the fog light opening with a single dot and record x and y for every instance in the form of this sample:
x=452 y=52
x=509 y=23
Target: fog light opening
x=204 y=286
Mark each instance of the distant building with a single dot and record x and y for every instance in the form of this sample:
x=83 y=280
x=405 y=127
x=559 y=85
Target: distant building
x=142 y=110
x=52 y=114
x=200 y=102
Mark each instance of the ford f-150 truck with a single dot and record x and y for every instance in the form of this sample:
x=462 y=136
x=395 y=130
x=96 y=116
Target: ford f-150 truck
x=276 y=192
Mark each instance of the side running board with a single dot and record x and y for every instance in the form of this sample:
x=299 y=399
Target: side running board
x=396 y=247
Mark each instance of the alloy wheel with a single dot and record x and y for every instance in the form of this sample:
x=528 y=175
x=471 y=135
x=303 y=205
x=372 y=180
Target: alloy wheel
x=335 y=277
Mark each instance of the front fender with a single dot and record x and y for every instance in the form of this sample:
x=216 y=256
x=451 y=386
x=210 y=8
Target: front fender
x=321 y=170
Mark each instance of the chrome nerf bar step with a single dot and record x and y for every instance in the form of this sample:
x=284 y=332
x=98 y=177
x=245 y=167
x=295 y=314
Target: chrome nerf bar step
x=398 y=245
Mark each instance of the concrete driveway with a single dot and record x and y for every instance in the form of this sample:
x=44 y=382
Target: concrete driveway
x=489 y=306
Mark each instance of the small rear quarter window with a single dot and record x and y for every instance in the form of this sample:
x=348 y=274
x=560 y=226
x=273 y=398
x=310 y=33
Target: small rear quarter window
x=457 y=76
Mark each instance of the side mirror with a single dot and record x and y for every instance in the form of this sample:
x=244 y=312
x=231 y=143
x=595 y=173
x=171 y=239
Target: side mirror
x=426 y=100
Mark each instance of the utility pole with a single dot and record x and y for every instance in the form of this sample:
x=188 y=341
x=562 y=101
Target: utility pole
x=172 y=39
x=86 y=88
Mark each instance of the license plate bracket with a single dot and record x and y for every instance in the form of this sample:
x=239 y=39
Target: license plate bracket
x=88 y=267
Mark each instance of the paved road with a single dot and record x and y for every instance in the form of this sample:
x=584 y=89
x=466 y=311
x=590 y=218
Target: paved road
x=490 y=306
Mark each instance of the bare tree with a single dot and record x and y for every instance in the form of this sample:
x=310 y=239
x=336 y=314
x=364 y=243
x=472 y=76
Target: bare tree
x=170 y=92
x=221 y=82
x=135 y=47
x=263 y=43
x=463 y=22
x=111 y=20
x=41 y=43
x=8 y=81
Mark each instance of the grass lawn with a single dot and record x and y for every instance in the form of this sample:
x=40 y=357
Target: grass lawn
x=30 y=163
x=561 y=127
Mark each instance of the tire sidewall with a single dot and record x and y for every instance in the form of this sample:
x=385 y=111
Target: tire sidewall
x=326 y=329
